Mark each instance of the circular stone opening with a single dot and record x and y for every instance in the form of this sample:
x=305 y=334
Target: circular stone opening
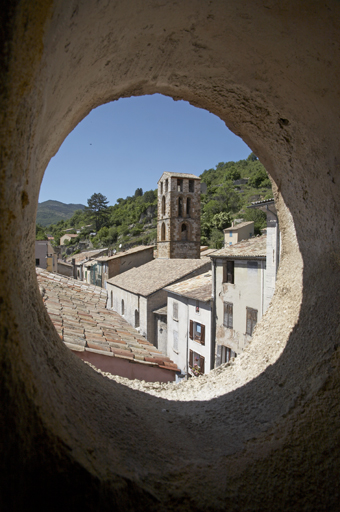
x=126 y=448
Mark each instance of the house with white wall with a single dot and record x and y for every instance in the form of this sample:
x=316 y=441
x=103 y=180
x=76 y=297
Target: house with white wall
x=189 y=326
x=138 y=292
x=238 y=289
x=238 y=232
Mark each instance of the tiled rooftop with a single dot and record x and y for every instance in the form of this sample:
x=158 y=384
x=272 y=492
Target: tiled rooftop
x=83 y=323
x=179 y=175
x=238 y=226
x=156 y=274
x=161 y=311
x=207 y=252
x=198 y=287
x=84 y=255
x=252 y=248
x=126 y=253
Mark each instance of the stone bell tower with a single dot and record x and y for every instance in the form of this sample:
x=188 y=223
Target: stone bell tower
x=179 y=221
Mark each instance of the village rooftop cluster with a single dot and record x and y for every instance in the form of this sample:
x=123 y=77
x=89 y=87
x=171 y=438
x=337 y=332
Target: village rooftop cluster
x=168 y=312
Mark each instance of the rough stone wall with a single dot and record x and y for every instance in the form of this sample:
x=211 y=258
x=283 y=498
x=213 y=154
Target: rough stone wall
x=173 y=246
x=268 y=422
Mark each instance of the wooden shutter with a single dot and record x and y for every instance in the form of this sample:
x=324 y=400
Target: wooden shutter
x=203 y=334
x=202 y=364
x=191 y=357
x=191 y=332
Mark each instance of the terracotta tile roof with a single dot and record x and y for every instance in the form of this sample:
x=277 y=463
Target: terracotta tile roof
x=156 y=274
x=198 y=287
x=82 y=256
x=252 y=248
x=207 y=252
x=78 y=312
x=126 y=253
x=238 y=226
x=178 y=175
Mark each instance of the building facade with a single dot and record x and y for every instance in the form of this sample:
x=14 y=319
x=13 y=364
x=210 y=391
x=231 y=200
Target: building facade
x=238 y=232
x=178 y=220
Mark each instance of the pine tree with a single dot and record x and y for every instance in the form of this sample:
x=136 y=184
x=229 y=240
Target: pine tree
x=97 y=210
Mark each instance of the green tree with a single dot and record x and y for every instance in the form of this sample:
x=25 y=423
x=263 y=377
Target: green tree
x=97 y=210
x=40 y=233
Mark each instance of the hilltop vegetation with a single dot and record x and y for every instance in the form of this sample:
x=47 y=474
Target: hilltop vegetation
x=51 y=212
x=132 y=221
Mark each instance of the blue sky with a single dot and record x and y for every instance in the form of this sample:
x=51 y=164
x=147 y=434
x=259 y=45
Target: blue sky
x=129 y=143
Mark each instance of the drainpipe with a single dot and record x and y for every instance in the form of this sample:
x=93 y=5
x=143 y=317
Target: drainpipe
x=213 y=316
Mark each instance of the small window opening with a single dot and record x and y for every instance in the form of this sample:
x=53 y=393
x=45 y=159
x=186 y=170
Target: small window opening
x=111 y=298
x=188 y=206
x=197 y=306
x=179 y=185
x=161 y=187
x=37 y=261
x=229 y=272
x=163 y=232
x=136 y=318
x=184 y=232
x=227 y=354
x=191 y=185
x=123 y=308
x=166 y=185
x=163 y=205
x=180 y=207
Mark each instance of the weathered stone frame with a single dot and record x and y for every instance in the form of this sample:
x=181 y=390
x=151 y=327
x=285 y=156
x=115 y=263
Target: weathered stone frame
x=73 y=439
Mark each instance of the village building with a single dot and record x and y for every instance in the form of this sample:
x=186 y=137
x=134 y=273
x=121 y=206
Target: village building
x=138 y=292
x=238 y=232
x=111 y=266
x=178 y=216
x=78 y=260
x=45 y=256
x=100 y=336
x=273 y=247
x=67 y=238
x=190 y=337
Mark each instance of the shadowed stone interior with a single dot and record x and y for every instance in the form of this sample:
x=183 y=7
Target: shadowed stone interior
x=263 y=433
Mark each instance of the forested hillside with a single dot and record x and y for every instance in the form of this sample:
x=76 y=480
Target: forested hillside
x=230 y=187
x=51 y=212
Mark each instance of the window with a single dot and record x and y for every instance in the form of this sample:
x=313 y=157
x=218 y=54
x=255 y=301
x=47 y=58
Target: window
x=37 y=261
x=111 y=298
x=191 y=185
x=136 y=318
x=184 y=232
x=175 y=341
x=78 y=273
x=175 y=310
x=230 y=233
x=228 y=272
x=197 y=306
x=166 y=185
x=197 y=332
x=188 y=206
x=196 y=362
x=179 y=185
x=123 y=308
x=163 y=205
x=251 y=320
x=228 y=315
x=180 y=206
x=226 y=354
x=163 y=232
x=161 y=187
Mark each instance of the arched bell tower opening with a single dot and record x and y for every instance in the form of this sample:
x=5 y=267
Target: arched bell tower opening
x=268 y=421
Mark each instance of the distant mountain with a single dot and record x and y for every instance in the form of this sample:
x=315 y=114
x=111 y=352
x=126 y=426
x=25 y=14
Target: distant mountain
x=51 y=212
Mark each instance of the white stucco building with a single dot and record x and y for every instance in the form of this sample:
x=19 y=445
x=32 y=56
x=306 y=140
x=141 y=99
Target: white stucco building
x=239 y=292
x=138 y=292
x=189 y=324
x=238 y=232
